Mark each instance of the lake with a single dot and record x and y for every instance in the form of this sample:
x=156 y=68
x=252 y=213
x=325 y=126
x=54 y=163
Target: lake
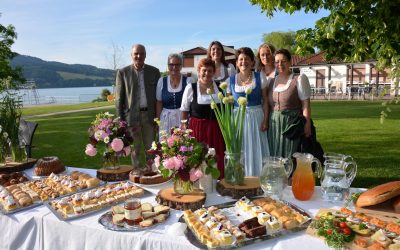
x=61 y=95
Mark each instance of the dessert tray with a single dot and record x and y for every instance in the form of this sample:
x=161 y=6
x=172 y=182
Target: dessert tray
x=32 y=193
x=244 y=222
x=78 y=205
x=152 y=215
x=353 y=230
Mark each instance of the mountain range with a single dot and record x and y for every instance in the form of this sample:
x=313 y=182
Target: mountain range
x=49 y=74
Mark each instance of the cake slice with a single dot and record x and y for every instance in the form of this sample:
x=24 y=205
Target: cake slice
x=161 y=209
x=118 y=210
x=147 y=207
x=118 y=219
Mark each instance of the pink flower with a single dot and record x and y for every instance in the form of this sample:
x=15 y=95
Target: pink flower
x=170 y=141
x=90 y=150
x=157 y=161
x=127 y=150
x=195 y=174
x=173 y=163
x=117 y=144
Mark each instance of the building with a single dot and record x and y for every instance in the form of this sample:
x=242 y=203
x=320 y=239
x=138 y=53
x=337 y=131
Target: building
x=192 y=57
x=340 y=75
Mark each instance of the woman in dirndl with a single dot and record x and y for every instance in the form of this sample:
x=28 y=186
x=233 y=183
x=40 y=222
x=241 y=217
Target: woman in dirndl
x=289 y=102
x=196 y=107
x=255 y=141
x=169 y=94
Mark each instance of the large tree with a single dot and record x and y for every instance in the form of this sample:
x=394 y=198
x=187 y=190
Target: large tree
x=8 y=75
x=354 y=31
x=281 y=39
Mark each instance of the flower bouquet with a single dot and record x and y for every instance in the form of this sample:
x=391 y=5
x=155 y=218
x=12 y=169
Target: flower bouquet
x=110 y=137
x=182 y=157
x=231 y=124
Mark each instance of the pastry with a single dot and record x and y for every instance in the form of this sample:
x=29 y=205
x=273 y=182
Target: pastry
x=160 y=218
x=148 y=214
x=161 y=209
x=146 y=223
x=92 y=182
x=147 y=207
x=118 y=219
x=117 y=210
x=47 y=165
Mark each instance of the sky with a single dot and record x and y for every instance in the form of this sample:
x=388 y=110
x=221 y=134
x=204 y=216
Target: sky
x=84 y=31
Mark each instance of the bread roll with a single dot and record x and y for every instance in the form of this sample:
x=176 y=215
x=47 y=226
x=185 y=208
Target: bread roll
x=379 y=194
x=92 y=182
x=396 y=204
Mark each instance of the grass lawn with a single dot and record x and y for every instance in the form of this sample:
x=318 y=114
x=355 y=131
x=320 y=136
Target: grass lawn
x=349 y=127
x=44 y=109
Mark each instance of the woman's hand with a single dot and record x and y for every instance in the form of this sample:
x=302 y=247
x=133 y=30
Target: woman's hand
x=264 y=125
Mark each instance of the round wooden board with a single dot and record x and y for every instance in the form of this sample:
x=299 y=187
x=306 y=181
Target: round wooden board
x=250 y=188
x=11 y=167
x=120 y=174
x=192 y=201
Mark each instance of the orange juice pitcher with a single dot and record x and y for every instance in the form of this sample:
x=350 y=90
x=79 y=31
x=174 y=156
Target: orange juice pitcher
x=303 y=182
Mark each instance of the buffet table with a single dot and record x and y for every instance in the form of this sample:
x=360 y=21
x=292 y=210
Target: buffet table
x=39 y=228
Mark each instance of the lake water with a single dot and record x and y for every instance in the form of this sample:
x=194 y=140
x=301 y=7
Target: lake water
x=61 y=95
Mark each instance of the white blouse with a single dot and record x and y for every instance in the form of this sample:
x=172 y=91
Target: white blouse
x=160 y=85
x=187 y=97
x=303 y=86
x=231 y=71
x=240 y=88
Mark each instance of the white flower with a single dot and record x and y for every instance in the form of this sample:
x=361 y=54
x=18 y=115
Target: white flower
x=225 y=100
x=248 y=90
x=223 y=85
x=211 y=152
x=106 y=139
x=5 y=135
x=242 y=101
x=220 y=95
x=154 y=145
x=98 y=134
x=183 y=121
x=213 y=105
x=209 y=91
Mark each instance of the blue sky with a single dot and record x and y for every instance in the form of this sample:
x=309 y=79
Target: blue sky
x=82 y=31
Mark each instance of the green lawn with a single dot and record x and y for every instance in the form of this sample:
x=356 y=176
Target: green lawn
x=344 y=127
x=44 y=109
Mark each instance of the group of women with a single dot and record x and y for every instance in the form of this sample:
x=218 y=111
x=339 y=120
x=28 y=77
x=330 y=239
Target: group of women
x=279 y=100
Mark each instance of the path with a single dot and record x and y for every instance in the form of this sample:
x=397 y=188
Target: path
x=67 y=112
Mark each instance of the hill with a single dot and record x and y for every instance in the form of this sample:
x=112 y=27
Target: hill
x=48 y=74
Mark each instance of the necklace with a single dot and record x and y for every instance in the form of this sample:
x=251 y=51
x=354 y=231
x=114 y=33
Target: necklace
x=203 y=88
x=245 y=81
x=174 y=83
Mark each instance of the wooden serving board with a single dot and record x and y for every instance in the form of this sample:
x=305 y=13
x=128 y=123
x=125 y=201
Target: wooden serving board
x=120 y=174
x=382 y=209
x=192 y=201
x=11 y=166
x=250 y=188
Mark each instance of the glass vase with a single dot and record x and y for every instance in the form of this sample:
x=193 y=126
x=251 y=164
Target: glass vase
x=234 y=168
x=18 y=153
x=183 y=187
x=111 y=161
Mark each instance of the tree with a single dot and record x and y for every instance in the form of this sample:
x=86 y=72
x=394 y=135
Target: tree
x=281 y=39
x=354 y=31
x=13 y=77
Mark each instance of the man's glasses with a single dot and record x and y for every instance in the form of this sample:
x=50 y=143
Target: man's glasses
x=174 y=65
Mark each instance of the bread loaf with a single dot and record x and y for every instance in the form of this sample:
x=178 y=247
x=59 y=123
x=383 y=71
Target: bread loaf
x=379 y=194
x=396 y=204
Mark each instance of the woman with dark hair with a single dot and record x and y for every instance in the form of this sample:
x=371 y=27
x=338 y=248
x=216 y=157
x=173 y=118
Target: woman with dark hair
x=196 y=106
x=216 y=53
x=255 y=141
x=169 y=94
x=289 y=101
x=266 y=60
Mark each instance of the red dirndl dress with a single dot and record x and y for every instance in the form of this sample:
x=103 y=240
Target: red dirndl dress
x=206 y=129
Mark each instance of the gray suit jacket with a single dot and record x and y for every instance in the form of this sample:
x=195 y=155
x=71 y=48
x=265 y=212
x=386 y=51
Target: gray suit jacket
x=127 y=94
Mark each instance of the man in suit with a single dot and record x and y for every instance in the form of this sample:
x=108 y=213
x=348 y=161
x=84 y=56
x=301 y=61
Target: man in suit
x=135 y=99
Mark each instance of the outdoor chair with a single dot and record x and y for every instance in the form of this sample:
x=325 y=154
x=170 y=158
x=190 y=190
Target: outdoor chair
x=26 y=131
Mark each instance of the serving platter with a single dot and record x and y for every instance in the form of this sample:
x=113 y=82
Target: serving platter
x=236 y=216
x=106 y=221
x=11 y=166
x=94 y=209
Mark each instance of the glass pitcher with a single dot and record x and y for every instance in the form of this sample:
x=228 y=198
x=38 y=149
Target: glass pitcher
x=336 y=179
x=303 y=182
x=329 y=156
x=275 y=174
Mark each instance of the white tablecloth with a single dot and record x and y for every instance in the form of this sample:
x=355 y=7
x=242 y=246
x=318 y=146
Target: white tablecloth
x=39 y=228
